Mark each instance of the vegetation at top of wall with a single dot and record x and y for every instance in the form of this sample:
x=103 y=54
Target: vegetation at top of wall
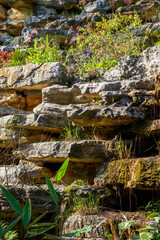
x=94 y=51
x=98 y=49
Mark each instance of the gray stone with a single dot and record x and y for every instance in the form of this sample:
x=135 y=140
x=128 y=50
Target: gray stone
x=5 y=110
x=26 y=173
x=59 y=35
x=88 y=151
x=57 y=4
x=140 y=70
x=51 y=123
x=43 y=11
x=32 y=76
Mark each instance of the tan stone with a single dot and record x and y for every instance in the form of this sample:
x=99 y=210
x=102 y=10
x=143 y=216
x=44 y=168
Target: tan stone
x=4 y=2
x=3 y=13
x=16 y=20
x=32 y=76
x=33 y=98
x=12 y=99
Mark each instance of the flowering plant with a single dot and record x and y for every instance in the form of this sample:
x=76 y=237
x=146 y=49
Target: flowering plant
x=100 y=49
x=4 y=57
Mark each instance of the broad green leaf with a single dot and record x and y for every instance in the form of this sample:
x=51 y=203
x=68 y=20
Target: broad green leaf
x=125 y=225
x=37 y=232
x=36 y=220
x=153 y=229
x=77 y=232
x=155 y=214
x=61 y=172
x=52 y=191
x=157 y=219
x=12 y=201
x=146 y=236
x=1 y=231
x=10 y=226
x=27 y=214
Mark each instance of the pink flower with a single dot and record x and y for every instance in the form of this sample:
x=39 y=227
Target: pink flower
x=93 y=71
x=82 y=37
x=88 y=28
x=98 y=53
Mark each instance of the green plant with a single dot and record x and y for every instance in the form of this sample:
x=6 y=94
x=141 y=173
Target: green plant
x=18 y=58
x=148 y=232
x=100 y=49
x=123 y=150
x=34 y=228
x=45 y=51
x=70 y=133
x=86 y=205
x=10 y=235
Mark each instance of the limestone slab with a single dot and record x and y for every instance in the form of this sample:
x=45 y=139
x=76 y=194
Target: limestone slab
x=32 y=76
x=80 y=151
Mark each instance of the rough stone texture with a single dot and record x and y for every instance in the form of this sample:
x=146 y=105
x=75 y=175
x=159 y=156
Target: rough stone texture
x=5 y=110
x=145 y=8
x=80 y=151
x=18 y=4
x=76 y=221
x=4 y=2
x=58 y=34
x=16 y=20
x=140 y=173
x=33 y=98
x=57 y=4
x=12 y=99
x=140 y=69
x=52 y=123
x=3 y=12
x=32 y=76
x=23 y=174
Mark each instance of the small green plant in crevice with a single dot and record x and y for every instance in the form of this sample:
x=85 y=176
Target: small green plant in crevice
x=86 y=205
x=124 y=150
x=44 y=51
x=76 y=183
x=34 y=228
x=70 y=133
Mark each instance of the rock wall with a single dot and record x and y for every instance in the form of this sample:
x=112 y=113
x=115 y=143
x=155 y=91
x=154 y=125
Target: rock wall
x=104 y=116
x=109 y=128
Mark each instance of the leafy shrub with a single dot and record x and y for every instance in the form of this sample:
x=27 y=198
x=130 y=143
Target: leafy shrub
x=100 y=49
